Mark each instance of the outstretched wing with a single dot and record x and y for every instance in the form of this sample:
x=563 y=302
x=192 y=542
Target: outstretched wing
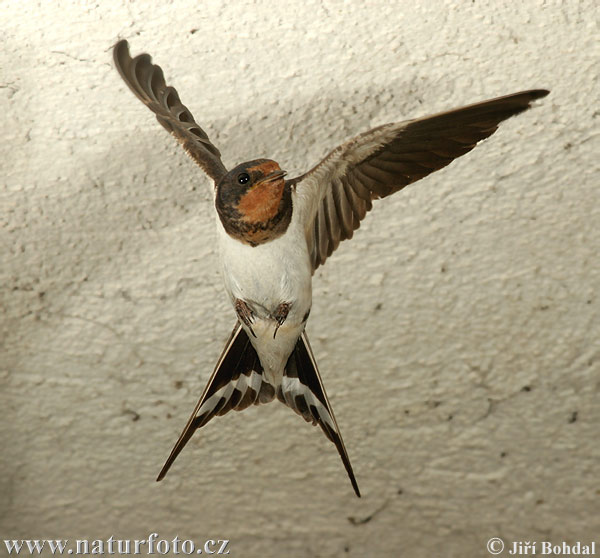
x=236 y=383
x=147 y=82
x=335 y=195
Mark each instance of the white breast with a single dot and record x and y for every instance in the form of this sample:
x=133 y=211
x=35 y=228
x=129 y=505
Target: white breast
x=264 y=276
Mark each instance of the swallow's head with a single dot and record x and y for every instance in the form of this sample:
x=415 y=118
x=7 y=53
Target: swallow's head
x=253 y=201
x=247 y=176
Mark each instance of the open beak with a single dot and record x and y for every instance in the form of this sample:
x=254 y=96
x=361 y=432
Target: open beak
x=271 y=177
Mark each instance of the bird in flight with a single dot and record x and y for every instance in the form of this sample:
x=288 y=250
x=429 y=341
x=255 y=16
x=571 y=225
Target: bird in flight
x=275 y=232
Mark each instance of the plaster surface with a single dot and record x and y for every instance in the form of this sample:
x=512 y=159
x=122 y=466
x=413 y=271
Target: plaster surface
x=457 y=333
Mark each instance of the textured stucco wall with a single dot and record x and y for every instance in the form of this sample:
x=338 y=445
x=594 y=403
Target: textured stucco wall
x=457 y=333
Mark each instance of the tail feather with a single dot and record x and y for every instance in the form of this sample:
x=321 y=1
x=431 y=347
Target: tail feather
x=235 y=384
x=302 y=390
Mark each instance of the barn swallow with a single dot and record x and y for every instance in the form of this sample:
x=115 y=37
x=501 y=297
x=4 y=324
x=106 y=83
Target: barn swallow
x=275 y=232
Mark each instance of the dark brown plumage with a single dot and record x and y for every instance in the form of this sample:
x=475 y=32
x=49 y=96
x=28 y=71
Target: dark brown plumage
x=386 y=159
x=148 y=84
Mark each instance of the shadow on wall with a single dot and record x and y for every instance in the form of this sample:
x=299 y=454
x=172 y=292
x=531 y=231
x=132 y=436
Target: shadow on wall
x=144 y=182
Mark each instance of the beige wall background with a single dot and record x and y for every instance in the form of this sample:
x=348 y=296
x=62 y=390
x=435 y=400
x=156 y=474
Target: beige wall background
x=457 y=333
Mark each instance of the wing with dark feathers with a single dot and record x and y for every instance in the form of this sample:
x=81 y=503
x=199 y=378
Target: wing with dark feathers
x=236 y=383
x=147 y=82
x=336 y=194
x=302 y=390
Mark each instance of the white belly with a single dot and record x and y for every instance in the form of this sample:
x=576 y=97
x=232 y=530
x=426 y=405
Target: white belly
x=263 y=277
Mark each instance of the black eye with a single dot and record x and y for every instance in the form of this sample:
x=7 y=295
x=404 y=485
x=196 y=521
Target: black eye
x=243 y=178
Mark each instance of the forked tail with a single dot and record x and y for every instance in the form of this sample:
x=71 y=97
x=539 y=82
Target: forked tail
x=237 y=382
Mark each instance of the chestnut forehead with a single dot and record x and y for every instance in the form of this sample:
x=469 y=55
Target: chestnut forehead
x=265 y=168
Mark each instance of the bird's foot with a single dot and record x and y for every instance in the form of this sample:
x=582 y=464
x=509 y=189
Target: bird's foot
x=281 y=314
x=244 y=314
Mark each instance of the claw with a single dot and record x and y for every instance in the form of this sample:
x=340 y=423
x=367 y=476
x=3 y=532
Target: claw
x=280 y=316
x=245 y=314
